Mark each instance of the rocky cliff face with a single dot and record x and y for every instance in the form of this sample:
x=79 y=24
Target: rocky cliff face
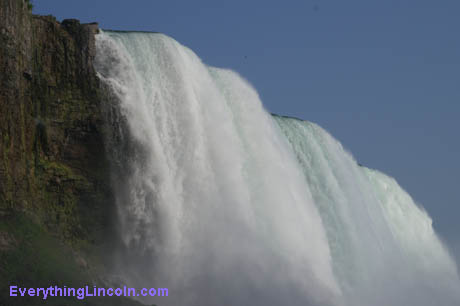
x=55 y=198
x=51 y=146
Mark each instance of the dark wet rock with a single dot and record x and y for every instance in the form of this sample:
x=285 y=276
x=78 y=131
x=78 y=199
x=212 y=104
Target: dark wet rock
x=51 y=123
x=7 y=241
x=54 y=175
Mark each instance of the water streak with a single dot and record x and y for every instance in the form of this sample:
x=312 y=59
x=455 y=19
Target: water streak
x=226 y=205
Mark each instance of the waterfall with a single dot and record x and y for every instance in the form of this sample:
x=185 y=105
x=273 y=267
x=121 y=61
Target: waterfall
x=383 y=246
x=226 y=205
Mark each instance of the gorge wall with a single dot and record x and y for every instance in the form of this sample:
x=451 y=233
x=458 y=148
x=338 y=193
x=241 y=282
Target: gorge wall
x=55 y=198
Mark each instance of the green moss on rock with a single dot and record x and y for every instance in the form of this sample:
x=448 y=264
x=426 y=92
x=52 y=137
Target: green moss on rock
x=55 y=195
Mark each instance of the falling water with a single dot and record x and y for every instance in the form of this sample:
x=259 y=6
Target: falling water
x=226 y=205
x=383 y=246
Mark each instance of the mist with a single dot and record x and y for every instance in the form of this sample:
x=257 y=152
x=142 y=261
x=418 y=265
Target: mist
x=225 y=205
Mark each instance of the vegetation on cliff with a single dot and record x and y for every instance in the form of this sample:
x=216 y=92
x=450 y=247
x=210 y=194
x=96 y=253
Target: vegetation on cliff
x=55 y=198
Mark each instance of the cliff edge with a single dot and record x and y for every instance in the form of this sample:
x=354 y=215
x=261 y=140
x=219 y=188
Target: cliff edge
x=55 y=197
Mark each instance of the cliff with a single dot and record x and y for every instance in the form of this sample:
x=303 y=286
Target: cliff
x=55 y=198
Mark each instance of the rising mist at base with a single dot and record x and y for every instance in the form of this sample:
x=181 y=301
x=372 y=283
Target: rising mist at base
x=225 y=204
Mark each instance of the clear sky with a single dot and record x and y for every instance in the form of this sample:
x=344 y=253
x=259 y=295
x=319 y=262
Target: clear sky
x=382 y=76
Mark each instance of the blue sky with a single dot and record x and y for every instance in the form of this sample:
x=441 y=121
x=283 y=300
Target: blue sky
x=382 y=76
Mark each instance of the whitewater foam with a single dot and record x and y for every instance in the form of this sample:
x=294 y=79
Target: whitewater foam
x=225 y=205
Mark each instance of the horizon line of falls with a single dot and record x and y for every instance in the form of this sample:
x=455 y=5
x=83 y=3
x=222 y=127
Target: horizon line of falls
x=225 y=204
